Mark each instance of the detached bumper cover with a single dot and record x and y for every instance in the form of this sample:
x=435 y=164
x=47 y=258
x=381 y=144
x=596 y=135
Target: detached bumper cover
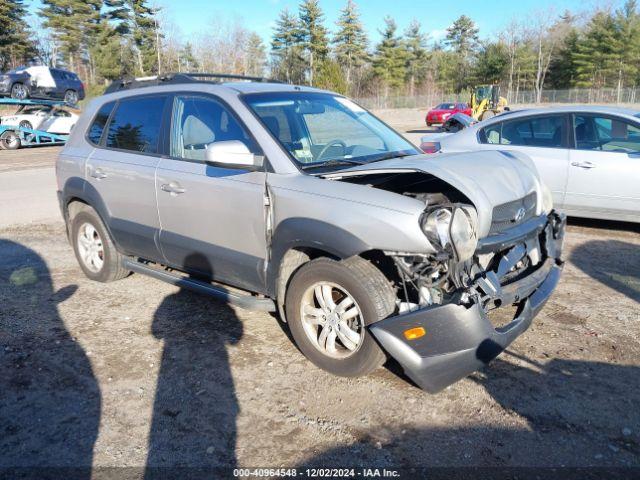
x=461 y=339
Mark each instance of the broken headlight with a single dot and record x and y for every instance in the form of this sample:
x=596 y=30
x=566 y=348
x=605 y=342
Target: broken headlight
x=452 y=228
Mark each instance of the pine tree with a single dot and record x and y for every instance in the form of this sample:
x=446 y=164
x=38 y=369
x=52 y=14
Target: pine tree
x=255 y=55
x=313 y=35
x=389 y=61
x=188 y=61
x=350 y=40
x=109 y=55
x=74 y=25
x=492 y=63
x=595 y=57
x=286 y=49
x=627 y=34
x=331 y=77
x=143 y=29
x=16 y=47
x=415 y=43
x=462 y=37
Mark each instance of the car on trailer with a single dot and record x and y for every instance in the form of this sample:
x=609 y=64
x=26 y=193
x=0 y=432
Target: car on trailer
x=42 y=82
x=48 y=118
x=296 y=199
x=17 y=131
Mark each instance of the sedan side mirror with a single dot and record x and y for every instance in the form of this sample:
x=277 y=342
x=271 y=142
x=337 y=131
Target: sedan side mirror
x=232 y=154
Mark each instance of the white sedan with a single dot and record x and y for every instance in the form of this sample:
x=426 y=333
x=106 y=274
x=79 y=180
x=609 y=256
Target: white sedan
x=589 y=156
x=45 y=118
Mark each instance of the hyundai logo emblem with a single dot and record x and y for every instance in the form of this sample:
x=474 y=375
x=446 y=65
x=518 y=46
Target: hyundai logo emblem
x=519 y=214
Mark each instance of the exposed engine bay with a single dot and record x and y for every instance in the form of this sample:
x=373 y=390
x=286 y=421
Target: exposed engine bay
x=457 y=272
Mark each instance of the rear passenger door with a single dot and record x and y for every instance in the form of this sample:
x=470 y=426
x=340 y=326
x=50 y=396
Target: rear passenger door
x=122 y=170
x=212 y=216
x=544 y=138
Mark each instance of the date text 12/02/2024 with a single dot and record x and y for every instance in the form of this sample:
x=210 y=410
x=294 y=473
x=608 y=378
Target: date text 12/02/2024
x=317 y=472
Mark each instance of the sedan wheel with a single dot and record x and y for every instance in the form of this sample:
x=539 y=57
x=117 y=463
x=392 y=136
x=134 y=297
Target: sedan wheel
x=19 y=91
x=26 y=124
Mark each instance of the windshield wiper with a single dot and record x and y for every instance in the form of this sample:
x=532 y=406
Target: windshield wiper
x=390 y=155
x=333 y=162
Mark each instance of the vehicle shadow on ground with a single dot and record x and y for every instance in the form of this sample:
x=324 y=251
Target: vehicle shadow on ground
x=612 y=262
x=195 y=409
x=50 y=400
x=570 y=420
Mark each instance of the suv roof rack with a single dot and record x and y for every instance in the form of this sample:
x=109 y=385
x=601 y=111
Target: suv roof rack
x=173 y=78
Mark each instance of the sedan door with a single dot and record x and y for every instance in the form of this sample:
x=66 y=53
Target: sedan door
x=122 y=171
x=544 y=138
x=212 y=216
x=604 y=172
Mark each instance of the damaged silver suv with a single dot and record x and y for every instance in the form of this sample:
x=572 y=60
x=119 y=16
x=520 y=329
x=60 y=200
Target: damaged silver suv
x=288 y=198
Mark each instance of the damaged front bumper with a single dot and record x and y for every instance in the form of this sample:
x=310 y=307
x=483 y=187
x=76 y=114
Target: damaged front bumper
x=459 y=338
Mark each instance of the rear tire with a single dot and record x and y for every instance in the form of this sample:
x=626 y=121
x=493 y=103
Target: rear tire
x=71 y=97
x=94 y=248
x=9 y=140
x=26 y=124
x=371 y=298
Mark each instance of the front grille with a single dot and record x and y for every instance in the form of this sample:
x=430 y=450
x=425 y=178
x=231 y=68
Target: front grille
x=506 y=216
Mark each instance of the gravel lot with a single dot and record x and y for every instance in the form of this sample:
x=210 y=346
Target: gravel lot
x=139 y=373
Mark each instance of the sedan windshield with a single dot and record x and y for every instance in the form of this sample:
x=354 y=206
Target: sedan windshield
x=446 y=106
x=324 y=130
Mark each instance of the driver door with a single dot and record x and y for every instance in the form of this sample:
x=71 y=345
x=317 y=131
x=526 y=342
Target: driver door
x=212 y=217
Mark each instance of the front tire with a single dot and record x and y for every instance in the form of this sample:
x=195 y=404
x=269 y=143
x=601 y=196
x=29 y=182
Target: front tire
x=19 y=91
x=26 y=124
x=329 y=305
x=94 y=248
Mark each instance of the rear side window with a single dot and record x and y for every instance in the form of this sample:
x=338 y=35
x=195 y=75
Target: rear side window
x=539 y=131
x=97 y=126
x=136 y=123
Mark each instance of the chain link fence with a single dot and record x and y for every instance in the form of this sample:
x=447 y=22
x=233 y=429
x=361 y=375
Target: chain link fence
x=627 y=96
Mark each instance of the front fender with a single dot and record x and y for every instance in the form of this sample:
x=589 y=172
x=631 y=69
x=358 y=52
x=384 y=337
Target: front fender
x=309 y=233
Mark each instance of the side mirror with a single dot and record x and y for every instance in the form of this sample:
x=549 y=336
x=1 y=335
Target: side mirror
x=232 y=154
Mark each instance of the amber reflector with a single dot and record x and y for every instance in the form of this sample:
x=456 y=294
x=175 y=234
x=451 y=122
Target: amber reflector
x=414 y=333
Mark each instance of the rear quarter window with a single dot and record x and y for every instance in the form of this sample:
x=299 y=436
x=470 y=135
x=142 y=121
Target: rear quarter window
x=96 y=128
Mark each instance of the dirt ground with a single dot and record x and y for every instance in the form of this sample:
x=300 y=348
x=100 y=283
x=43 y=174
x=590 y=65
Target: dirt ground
x=138 y=372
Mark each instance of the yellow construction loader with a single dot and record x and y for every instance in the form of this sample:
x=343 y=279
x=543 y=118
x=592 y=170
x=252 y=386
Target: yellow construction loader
x=486 y=102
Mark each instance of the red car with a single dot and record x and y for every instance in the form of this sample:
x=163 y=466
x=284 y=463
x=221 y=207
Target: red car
x=443 y=111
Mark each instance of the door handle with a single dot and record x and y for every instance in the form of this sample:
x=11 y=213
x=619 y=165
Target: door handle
x=173 y=188
x=585 y=165
x=98 y=173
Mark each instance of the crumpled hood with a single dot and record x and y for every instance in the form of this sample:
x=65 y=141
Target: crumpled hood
x=488 y=178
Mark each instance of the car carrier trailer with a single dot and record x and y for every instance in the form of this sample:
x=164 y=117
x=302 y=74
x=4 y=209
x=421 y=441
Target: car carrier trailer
x=13 y=137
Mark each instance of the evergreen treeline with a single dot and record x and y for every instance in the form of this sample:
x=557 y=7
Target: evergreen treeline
x=108 y=39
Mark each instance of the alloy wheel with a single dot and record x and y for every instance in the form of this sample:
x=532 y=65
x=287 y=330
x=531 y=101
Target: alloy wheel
x=90 y=247
x=332 y=320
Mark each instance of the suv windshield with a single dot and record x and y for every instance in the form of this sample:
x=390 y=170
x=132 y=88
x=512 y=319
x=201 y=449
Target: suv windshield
x=324 y=130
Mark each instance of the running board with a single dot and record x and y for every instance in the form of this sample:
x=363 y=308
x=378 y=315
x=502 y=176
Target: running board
x=245 y=301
